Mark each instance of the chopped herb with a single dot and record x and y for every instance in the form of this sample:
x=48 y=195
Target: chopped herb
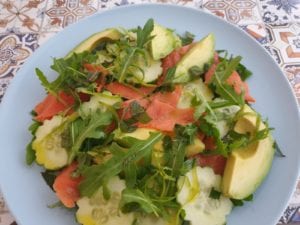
x=49 y=177
x=187 y=38
x=96 y=175
x=237 y=202
x=243 y=72
x=278 y=151
x=214 y=194
x=30 y=154
x=34 y=126
x=249 y=198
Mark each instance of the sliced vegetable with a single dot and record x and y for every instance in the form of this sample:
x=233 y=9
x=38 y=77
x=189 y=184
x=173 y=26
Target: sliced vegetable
x=194 y=196
x=49 y=145
x=96 y=210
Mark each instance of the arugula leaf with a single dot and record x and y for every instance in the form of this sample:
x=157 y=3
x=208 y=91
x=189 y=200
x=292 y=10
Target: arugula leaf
x=30 y=154
x=132 y=51
x=169 y=75
x=130 y=195
x=96 y=175
x=91 y=127
x=130 y=175
x=243 y=72
x=34 y=126
x=49 y=177
x=223 y=71
x=143 y=35
x=278 y=151
x=45 y=83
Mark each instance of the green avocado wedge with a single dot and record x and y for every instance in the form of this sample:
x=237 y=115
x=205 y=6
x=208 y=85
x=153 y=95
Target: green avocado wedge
x=164 y=42
x=199 y=55
x=91 y=42
x=247 y=167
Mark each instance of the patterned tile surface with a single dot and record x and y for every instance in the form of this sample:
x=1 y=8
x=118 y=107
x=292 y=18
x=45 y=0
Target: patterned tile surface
x=27 y=24
x=235 y=11
x=280 y=11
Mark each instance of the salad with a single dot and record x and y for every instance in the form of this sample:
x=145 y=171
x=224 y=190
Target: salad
x=144 y=126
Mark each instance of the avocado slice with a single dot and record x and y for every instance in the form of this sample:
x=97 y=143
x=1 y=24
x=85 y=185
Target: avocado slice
x=163 y=42
x=246 y=168
x=199 y=55
x=148 y=70
x=91 y=42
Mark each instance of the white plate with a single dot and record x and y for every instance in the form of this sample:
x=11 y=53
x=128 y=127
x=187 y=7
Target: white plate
x=23 y=187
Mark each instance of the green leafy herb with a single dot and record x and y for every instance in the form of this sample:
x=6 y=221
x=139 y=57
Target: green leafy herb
x=49 y=177
x=130 y=196
x=278 y=151
x=44 y=81
x=186 y=222
x=243 y=72
x=133 y=51
x=34 y=126
x=237 y=202
x=249 y=198
x=143 y=35
x=169 y=75
x=30 y=154
x=70 y=73
x=96 y=175
x=214 y=194
x=91 y=127
x=223 y=71
x=208 y=126
x=187 y=38
x=138 y=114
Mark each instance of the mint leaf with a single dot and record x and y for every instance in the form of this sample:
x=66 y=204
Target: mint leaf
x=278 y=151
x=214 y=194
x=187 y=38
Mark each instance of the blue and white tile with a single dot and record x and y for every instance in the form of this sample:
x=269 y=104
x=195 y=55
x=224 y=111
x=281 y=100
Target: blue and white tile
x=279 y=11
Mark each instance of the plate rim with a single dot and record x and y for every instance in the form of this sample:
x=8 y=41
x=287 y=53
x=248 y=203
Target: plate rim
x=17 y=78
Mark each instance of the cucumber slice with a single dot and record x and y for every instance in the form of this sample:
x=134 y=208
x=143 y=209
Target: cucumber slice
x=48 y=144
x=194 y=190
x=97 y=211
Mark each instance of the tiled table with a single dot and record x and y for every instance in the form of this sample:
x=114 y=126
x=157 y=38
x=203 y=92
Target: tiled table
x=27 y=24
